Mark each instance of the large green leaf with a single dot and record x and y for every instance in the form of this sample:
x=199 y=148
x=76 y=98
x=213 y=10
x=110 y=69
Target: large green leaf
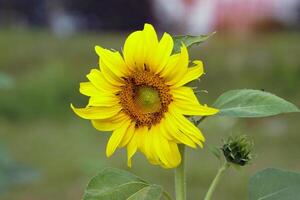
x=252 y=103
x=116 y=184
x=274 y=184
x=188 y=40
x=147 y=193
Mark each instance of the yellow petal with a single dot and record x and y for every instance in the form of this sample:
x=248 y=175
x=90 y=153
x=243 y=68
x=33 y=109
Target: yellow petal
x=162 y=53
x=192 y=109
x=149 y=143
x=103 y=100
x=176 y=156
x=186 y=137
x=163 y=128
x=187 y=103
x=176 y=67
x=150 y=43
x=160 y=145
x=88 y=89
x=140 y=134
x=140 y=49
x=150 y=35
x=113 y=60
x=184 y=95
x=171 y=129
x=136 y=142
x=116 y=138
x=128 y=135
x=98 y=80
x=134 y=50
x=112 y=73
x=109 y=76
x=191 y=74
x=97 y=112
x=185 y=125
x=111 y=123
x=169 y=157
x=132 y=147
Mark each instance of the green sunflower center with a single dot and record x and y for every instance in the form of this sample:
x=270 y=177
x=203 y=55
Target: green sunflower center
x=148 y=99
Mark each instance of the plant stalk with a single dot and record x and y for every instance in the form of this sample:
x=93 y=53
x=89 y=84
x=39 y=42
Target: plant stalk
x=216 y=180
x=180 y=181
x=167 y=196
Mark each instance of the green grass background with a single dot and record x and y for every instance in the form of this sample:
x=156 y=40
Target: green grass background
x=39 y=128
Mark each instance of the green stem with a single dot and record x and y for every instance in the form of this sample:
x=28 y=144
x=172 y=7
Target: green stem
x=167 y=195
x=180 y=182
x=216 y=180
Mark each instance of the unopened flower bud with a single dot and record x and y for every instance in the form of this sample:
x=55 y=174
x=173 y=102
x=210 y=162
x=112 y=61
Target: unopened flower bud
x=237 y=149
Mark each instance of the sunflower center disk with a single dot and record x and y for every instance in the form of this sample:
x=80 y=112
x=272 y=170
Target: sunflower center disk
x=145 y=98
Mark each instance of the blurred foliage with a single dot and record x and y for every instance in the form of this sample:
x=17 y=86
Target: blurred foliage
x=37 y=124
x=6 y=82
x=14 y=173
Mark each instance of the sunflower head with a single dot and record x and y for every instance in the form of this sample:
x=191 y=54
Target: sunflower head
x=140 y=95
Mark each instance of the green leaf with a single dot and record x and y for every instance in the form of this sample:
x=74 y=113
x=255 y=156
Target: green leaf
x=252 y=103
x=116 y=184
x=188 y=40
x=147 y=193
x=274 y=184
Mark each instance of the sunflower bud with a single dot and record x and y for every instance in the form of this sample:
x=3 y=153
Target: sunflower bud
x=237 y=149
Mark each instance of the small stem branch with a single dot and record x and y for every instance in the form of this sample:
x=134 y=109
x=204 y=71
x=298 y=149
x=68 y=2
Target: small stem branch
x=216 y=180
x=180 y=182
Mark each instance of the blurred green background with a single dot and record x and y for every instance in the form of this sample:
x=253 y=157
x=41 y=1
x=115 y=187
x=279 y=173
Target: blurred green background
x=56 y=153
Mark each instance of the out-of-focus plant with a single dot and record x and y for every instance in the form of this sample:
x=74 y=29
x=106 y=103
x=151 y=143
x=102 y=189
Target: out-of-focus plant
x=6 y=82
x=13 y=173
x=143 y=97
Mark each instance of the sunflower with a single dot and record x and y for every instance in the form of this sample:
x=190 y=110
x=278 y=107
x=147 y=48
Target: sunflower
x=142 y=98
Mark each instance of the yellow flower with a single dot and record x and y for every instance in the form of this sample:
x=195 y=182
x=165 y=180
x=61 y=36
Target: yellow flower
x=141 y=97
